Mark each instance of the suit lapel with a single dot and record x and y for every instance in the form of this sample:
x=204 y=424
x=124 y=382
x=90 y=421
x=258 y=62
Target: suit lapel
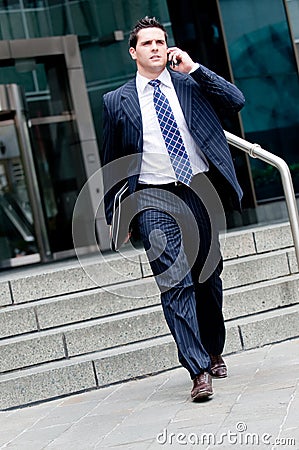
x=130 y=104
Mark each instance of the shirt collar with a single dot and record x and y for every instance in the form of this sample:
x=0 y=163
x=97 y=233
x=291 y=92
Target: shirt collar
x=142 y=82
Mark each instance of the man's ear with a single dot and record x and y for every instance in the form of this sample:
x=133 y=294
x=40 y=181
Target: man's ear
x=132 y=52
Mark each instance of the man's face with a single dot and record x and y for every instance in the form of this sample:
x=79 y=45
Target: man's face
x=151 y=52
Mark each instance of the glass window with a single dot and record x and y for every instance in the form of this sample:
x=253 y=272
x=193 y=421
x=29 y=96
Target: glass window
x=59 y=168
x=11 y=26
x=9 y=4
x=83 y=18
x=37 y=23
x=59 y=21
x=34 y=3
x=54 y=2
x=13 y=74
x=106 y=61
x=17 y=237
x=264 y=67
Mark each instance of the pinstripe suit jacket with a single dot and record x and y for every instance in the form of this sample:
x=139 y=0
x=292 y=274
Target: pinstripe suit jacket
x=203 y=96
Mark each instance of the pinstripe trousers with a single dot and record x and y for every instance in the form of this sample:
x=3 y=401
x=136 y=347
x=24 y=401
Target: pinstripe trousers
x=175 y=228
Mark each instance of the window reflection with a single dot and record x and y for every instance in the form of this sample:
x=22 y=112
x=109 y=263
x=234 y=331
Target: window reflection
x=264 y=68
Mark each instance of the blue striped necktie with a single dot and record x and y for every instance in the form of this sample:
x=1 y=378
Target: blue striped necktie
x=173 y=140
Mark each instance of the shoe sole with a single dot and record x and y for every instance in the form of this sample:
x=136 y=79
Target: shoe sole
x=202 y=396
x=217 y=376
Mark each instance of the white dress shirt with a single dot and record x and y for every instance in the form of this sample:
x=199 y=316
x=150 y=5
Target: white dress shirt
x=156 y=167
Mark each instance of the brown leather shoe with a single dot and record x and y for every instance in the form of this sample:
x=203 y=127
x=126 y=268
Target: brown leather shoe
x=218 y=367
x=202 y=387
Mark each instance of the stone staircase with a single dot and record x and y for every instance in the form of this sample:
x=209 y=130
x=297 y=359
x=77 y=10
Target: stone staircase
x=79 y=325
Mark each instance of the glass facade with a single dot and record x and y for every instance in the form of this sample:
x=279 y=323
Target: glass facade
x=17 y=237
x=247 y=41
x=57 y=157
x=102 y=28
x=264 y=67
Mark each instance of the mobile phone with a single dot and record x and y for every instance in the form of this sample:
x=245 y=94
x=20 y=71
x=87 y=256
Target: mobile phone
x=174 y=62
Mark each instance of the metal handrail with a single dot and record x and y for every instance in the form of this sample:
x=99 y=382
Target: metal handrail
x=256 y=151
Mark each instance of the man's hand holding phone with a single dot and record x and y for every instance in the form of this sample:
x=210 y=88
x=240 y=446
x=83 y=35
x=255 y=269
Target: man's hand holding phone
x=179 y=60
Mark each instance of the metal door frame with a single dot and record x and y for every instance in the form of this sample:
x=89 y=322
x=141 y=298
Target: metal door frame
x=68 y=47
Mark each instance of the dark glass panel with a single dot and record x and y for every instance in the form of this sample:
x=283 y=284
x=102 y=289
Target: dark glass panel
x=60 y=171
x=38 y=23
x=34 y=3
x=9 y=4
x=11 y=74
x=17 y=237
x=107 y=63
x=264 y=67
x=53 y=97
x=12 y=26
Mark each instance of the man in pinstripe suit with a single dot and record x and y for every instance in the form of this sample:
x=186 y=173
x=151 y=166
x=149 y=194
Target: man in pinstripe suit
x=173 y=217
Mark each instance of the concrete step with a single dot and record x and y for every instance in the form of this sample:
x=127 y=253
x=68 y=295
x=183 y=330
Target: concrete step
x=254 y=240
x=84 y=307
x=79 y=307
x=104 y=270
x=84 y=373
x=250 y=300
x=73 y=340
x=99 y=321
x=98 y=369
x=269 y=276
x=257 y=268
x=68 y=341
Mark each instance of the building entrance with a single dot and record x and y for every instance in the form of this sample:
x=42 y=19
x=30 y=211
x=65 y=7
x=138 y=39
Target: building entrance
x=48 y=151
x=22 y=229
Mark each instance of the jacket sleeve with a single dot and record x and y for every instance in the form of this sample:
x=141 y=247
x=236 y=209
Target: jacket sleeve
x=222 y=94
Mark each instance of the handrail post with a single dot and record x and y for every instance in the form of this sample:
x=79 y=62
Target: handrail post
x=256 y=151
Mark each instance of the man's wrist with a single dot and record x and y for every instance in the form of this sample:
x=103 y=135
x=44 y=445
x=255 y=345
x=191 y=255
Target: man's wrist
x=194 y=67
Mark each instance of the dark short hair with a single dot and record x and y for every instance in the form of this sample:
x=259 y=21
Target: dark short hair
x=146 y=22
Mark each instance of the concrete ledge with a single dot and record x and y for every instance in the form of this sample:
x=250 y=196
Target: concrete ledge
x=65 y=377
x=259 y=297
x=80 y=339
x=52 y=382
x=17 y=321
x=115 y=332
x=256 y=268
x=80 y=307
x=112 y=269
x=86 y=307
x=293 y=261
x=237 y=244
x=145 y=359
x=79 y=327
x=145 y=266
x=17 y=354
x=273 y=237
x=233 y=342
x=65 y=281
x=5 y=297
x=270 y=327
x=139 y=325
x=99 y=303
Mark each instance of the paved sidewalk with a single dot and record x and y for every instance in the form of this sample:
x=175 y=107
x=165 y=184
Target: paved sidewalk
x=257 y=404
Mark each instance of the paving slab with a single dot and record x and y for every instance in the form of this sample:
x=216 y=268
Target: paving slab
x=257 y=406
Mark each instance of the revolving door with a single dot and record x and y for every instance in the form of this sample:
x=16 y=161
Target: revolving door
x=23 y=237
x=48 y=150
